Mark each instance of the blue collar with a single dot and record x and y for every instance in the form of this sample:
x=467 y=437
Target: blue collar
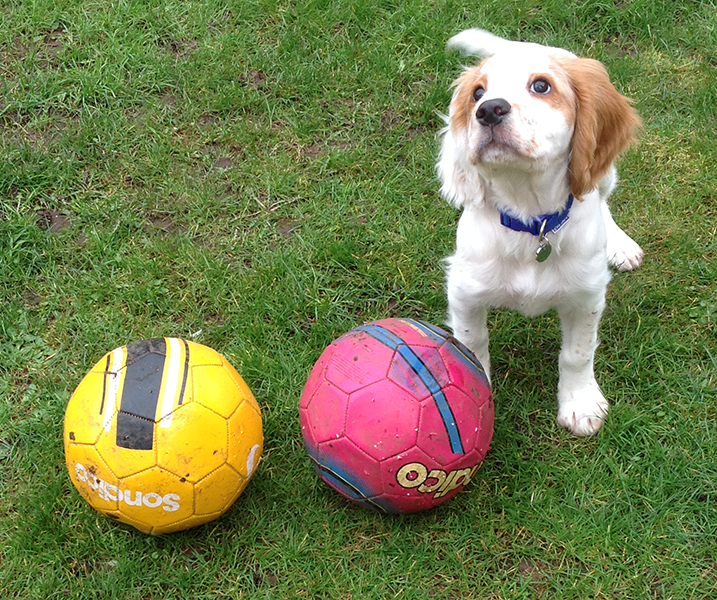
x=553 y=221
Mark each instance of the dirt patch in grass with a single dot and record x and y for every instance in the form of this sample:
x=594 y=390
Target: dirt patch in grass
x=52 y=221
x=162 y=223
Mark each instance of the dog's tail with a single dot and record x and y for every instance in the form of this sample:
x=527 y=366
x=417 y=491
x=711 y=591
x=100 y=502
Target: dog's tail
x=478 y=42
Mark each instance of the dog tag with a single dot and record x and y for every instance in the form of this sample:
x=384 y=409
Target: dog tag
x=544 y=250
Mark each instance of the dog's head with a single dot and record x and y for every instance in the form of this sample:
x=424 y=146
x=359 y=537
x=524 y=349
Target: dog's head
x=527 y=106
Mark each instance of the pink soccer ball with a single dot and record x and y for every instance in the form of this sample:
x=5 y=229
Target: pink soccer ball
x=397 y=415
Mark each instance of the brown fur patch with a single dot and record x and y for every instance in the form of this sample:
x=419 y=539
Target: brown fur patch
x=561 y=97
x=462 y=104
x=606 y=123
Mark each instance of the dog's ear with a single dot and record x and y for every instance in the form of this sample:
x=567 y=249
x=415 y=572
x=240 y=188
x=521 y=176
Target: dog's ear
x=606 y=124
x=478 y=42
x=461 y=184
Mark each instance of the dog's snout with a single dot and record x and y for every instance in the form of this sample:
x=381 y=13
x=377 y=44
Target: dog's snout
x=491 y=112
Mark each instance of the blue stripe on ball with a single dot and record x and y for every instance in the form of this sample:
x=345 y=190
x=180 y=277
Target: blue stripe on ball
x=394 y=342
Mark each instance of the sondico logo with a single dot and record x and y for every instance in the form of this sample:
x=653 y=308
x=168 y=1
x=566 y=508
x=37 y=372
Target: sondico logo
x=415 y=475
x=111 y=493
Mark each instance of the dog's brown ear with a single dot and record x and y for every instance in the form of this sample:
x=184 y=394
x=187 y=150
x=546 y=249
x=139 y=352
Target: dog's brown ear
x=606 y=123
x=461 y=183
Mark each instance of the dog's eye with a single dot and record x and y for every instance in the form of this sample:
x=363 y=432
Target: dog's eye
x=478 y=93
x=540 y=86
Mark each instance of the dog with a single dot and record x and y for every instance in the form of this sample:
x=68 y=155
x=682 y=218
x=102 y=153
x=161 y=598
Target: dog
x=528 y=153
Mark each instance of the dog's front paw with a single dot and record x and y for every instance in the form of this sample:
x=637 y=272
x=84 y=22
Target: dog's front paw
x=623 y=252
x=582 y=412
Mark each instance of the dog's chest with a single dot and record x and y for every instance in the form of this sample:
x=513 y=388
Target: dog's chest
x=499 y=265
x=529 y=288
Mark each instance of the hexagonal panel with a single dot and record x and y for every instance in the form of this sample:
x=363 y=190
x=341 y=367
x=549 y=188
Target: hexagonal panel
x=447 y=428
x=244 y=391
x=358 y=360
x=203 y=355
x=214 y=494
x=464 y=372
x=123 y=461
x=306 y=431
x=348 y=469
x=418 y=370
x=414 y=333
x=246 y=439
x=194 y=445
x=382 y=419
x=92 y=477
x=128 y=520
x=83 y=416
x=215 y=388
x=325 y=414
x=157 y=498
x=316 y=377
x=423 y=483
x=392 y=465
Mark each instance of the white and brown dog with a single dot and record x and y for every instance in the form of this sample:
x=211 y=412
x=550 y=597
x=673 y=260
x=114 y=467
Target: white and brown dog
x=528 y=152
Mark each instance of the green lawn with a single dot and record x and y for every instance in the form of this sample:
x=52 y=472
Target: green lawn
x=260 y=175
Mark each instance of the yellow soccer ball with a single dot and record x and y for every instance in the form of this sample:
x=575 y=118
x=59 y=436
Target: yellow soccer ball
x=162 y=434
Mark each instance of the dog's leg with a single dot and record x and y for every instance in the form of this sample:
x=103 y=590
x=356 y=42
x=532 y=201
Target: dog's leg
x=623 y=252
x=581 y=406
x=469 y=325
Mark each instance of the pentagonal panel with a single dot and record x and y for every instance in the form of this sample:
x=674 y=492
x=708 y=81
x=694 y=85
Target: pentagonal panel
x=325 y=414
x=194 y=444
x=382 y=419
x=358 y=360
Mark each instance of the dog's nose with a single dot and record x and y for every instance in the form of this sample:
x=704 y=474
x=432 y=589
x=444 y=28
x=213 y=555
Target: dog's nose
x=491 y=112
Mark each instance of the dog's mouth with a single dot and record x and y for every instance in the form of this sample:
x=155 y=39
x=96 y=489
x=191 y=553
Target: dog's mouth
x=494 y=145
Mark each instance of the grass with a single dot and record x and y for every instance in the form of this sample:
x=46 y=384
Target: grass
x=259 y=175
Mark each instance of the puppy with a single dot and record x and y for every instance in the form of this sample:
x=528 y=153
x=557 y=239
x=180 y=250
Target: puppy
x=528 y=152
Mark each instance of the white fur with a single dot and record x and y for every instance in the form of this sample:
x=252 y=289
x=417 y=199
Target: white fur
x=525 y=172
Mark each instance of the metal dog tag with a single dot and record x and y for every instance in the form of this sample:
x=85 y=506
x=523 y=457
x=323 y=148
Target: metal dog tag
x=544 y=248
